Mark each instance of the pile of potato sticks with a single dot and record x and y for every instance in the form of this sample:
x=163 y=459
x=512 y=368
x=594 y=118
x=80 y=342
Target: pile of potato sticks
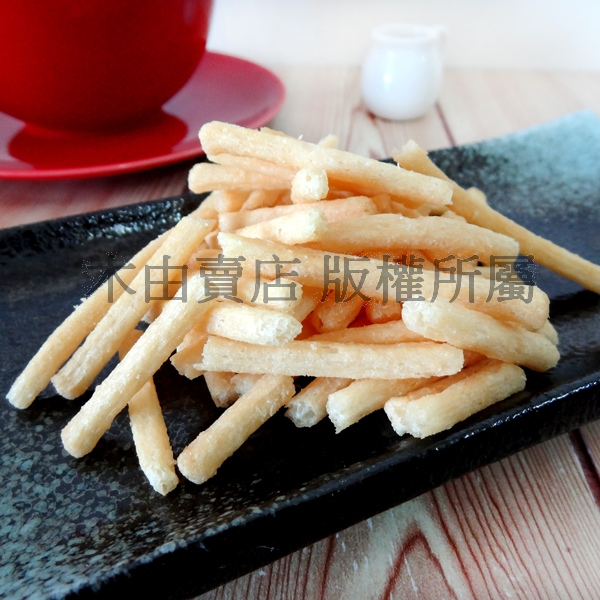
x=288 y=215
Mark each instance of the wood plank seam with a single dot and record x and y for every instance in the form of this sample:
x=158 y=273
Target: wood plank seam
x=588 y=468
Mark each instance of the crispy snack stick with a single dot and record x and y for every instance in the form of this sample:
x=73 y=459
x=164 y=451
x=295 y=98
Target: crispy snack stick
x=378 y=311
x=334 y=314
x=332 y=210
x=378 y=333
x=364 y=175
x=65 y=339
x=309 y=185
x=294 y=228
x=390 y=232
x=311 y=271
x=150 y=434
x=308 y=406
x=472 y=330
x=364 y=396
x=330 y=359
x=544 y=251
x=207 y=177
x=123 y=316
x=430 y=410
x=84 y=430
x=200 y=460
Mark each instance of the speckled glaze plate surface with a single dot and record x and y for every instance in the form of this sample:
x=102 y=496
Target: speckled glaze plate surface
x=91 y=527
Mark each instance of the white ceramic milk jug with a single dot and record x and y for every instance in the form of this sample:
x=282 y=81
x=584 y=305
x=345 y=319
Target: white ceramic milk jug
x=402 y=73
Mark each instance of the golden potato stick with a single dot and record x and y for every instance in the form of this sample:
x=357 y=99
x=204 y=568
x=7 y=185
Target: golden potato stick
x=378 y=311
x=206 y=177
x=196 y=335
x=335 y=313
x=210 y=241
x=461 y=264
x=200 y=460
x=103 y=342
x=390 y=232
x=309 y=185
x=364 y=396
x=307 y=407
x=252 y=324
x=381 y=333
x=310 y=300
x=155 y=307
x=383 y=202
x=65 y=339
x=544 y=251
x=262 y=199
x=201 y=254
x=473 y=291
x=84 y=430
x=220 y=388
x=251 y=163
x=150 y=436
x=454 y=399
x=243 y=382
x=333 y=210
x=330 y=359
x=364 y=175
x=450 y=214
x=281 y=294
x=189 y=354
x=472 y=330
x=295 y=228
x=549 y=332
x=329 y=141
x=399 y=209
x=206 y=210
x=229 y=200
x=477 y=194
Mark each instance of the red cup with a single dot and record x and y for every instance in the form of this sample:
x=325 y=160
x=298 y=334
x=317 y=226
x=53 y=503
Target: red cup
x=96 y=64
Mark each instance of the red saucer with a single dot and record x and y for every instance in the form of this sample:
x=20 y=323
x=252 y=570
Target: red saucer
x=223 y=88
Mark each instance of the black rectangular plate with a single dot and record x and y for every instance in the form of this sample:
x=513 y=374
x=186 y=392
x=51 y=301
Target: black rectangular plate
x=86 y=528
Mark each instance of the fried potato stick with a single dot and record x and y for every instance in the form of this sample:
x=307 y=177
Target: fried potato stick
x=308 y=406
x=207 y=177
x=220 y=388
x=330 y=359
x=335 y=313
x=544 y=251
x=309 y=185
x=150 y=436
x=65 y=339
x=332 y=210
x=431 y=410
x=200 y=460
x=311 y=271
x=364 y=175
x=394 y=332
x=84 y=430
x=472 y=330
x=123 y=316
x=390 y=232
x=294 y=228
x=364 y=396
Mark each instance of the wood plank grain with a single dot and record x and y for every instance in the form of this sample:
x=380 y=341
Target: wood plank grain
x=524 y=527
x=322 y=101
x=31 y=201
x=479 y=104
x=590 y=457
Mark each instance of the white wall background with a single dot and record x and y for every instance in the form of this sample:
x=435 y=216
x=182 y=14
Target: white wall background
x=529 y=34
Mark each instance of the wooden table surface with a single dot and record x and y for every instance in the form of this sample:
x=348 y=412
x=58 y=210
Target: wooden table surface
x=525 y=527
